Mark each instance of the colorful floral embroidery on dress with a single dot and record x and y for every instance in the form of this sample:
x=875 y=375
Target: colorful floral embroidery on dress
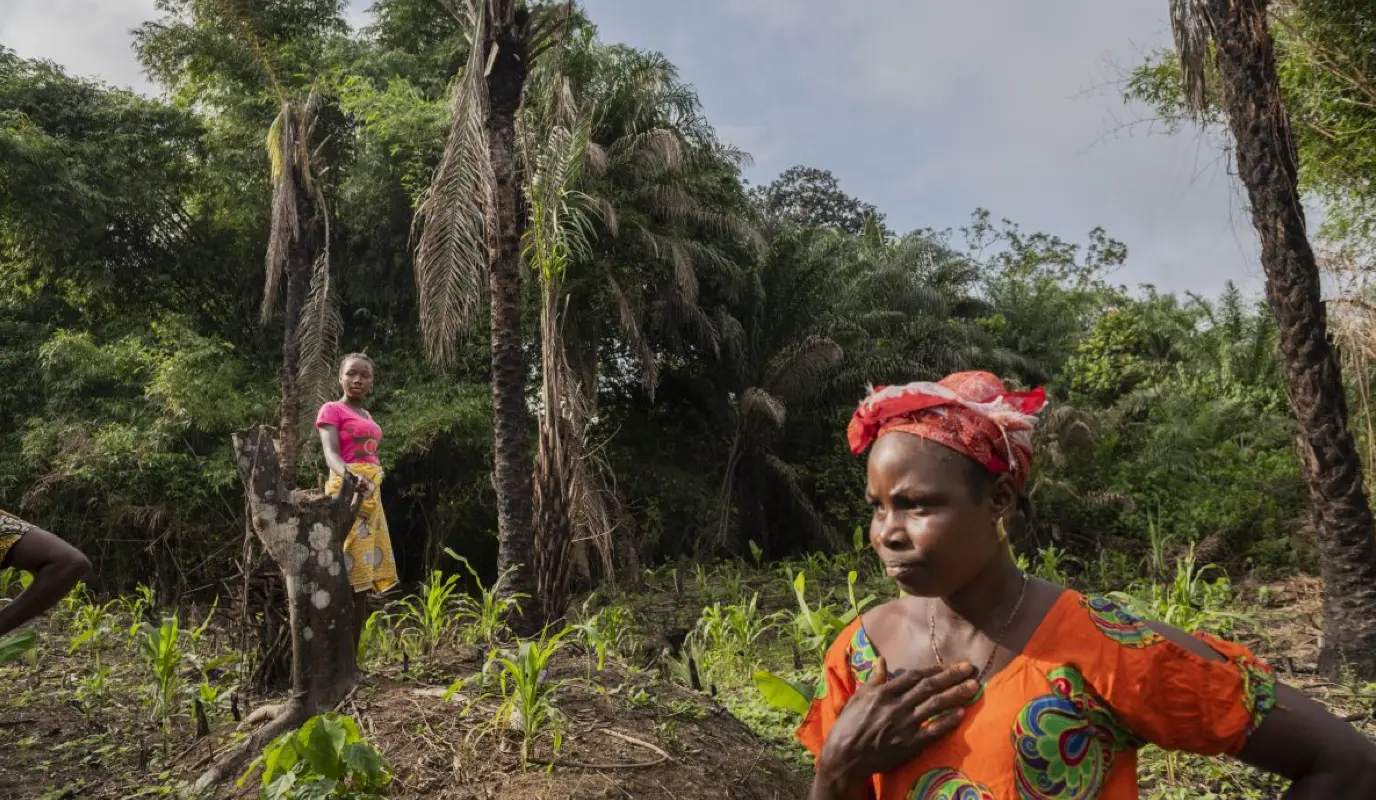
x=1258 y=690
x=12 y=529
x=1118 y=624
x=862 y=655
x=1065 y=741
x=948 y=784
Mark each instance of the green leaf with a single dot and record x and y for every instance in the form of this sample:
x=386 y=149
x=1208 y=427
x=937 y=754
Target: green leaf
x=16 y=645
x=323 y=748
x=281 y=756
x=782 y=694
x=280 y=789
x=365 y=763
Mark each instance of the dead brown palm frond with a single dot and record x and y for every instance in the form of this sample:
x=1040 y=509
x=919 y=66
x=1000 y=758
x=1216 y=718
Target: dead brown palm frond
x=452 y=254
x=284 y=228
x=1193 y=31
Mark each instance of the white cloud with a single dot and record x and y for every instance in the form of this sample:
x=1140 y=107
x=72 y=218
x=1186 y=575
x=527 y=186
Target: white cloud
x=927 y=109
x=91 y=38
x=932 y=109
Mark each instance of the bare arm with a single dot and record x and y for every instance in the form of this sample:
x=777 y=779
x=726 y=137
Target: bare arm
x=329 y=442
x=56 y=567
x=1321 y=755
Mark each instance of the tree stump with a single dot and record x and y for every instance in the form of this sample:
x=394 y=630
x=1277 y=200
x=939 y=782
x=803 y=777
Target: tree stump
x=304 y=533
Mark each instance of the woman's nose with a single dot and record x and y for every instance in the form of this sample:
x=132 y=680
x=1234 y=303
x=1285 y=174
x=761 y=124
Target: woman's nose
x=892 y=533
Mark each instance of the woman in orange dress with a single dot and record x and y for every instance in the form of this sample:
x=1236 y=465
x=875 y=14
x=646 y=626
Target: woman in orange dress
x=983 y=683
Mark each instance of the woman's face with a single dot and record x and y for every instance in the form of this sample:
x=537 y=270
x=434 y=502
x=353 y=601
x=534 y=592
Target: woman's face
x=356 y=378
x=933 y=525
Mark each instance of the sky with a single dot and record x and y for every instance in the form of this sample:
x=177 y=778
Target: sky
x=919 y=108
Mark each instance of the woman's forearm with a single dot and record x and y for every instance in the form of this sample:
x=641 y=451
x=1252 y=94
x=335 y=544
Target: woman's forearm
x=1329 y=784
x=336 y=464
x=51 y=582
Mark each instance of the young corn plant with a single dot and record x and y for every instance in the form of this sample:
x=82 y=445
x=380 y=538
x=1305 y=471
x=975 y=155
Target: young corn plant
x=432 y=614
x=1190 y=601
x=526 y=693
x=379 y=640
x=93 y=691
x=484 y=615
x=727 y=635
x=162 y=653
x=815 y=628
x=135 y=607
x=13 y=581
x=1050 y=565
x=90 y=623
x=605 y=631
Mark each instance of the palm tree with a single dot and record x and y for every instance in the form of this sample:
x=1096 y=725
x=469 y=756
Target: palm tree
x=825 y=314
x=1268 y=164
x=470 y=229
x=298 y=251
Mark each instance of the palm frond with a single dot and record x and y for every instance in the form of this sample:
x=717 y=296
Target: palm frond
x=452 y=256
x=759 y=404
x=1192 y=28
x=785 y=477
x=801 y=367
x=284 y=227
x=321 y=328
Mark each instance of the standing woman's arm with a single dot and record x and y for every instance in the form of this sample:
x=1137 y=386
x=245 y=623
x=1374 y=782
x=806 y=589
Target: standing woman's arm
x=329 y=442
x=56 y=567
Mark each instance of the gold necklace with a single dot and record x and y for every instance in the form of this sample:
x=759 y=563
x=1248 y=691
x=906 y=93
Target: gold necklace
x=931 y=636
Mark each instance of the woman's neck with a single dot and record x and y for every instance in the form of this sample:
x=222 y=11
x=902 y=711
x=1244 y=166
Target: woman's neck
x=987 y=598
x=352 y=403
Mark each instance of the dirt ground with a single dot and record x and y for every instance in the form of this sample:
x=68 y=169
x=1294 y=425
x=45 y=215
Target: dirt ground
x=626 y=735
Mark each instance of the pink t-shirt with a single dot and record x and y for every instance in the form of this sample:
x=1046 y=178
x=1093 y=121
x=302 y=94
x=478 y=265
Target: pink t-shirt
x=358 y=434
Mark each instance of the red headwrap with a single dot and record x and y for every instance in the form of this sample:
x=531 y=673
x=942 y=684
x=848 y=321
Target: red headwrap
x=971 y=413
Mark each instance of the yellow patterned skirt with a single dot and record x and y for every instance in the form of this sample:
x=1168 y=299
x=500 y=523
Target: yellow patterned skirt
x=368 y=547
x=12 y=529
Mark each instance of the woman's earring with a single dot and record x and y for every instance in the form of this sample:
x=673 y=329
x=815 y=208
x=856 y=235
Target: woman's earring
x=1001 y=529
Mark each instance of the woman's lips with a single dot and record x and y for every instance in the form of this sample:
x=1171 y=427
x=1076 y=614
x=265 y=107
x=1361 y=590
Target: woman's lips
x=897 y=569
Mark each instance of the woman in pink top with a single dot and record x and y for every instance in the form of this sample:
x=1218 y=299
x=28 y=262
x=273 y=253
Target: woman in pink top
x=350 y=438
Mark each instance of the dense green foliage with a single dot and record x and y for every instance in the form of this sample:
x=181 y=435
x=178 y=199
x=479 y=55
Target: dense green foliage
x=728 y=331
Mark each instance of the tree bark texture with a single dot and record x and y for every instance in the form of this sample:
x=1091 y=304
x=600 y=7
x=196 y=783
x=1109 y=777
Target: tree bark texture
x=1268 y=166
x=553 y=468
x=300 y=259
x=304 y=533
x=507 y=31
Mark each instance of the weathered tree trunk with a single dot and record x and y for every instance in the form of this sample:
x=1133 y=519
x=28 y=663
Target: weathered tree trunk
x=298 y=277
x=1268 y=166
x=553 y=469
x=304 y=533
x=508 y=32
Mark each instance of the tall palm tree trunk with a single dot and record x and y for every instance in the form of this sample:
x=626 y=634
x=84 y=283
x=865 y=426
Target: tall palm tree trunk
x=1268 y=165
x=553 y=466
x=300 y=258
x=511 y=468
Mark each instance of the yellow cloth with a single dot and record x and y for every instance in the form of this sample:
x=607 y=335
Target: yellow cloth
x=12 y=529
x=368 y=547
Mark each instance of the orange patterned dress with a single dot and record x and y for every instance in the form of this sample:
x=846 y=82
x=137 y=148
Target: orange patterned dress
x=1064 y=719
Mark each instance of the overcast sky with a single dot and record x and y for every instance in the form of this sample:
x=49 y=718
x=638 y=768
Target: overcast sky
x=928 y=110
